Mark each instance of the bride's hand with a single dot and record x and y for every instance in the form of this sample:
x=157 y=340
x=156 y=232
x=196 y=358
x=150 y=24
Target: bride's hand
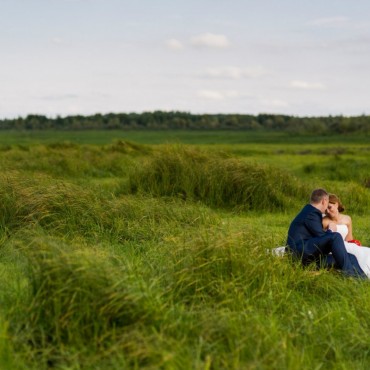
x=332 y=226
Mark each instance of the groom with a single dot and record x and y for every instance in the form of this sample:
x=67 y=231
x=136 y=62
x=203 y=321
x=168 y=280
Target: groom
x=309 y=242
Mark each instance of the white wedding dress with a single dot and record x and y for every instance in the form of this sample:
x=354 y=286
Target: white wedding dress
x=361 y=253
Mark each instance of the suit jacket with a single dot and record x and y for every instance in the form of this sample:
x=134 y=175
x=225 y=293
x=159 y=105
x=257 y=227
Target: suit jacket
x=306 y=225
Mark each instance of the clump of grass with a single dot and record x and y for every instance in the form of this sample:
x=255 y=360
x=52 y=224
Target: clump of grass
x=27 y=202
x=79 y=299
x=62 y=145
x=357 y=198
x=71 y=160
x=68 y=209
x=217 y=181
x=127 y=147
x=5 y=148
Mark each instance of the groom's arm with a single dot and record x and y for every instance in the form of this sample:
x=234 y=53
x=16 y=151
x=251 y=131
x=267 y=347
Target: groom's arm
x=314 y=224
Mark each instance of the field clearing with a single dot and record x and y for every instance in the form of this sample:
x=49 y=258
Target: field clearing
x=149 y=250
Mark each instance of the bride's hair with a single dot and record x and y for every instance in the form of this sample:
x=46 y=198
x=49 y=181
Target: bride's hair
x=334 y=199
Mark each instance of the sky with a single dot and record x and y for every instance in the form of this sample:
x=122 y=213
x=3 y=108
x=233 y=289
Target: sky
x=295 y=57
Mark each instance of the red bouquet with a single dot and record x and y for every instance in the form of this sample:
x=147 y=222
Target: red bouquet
x=355 y=241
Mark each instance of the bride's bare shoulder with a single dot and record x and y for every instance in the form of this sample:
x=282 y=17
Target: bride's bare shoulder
x=347 y=219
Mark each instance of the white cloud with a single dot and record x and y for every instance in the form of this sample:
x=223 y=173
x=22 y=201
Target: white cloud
x=174 y=44
x=210 y=40
x=235 y=73
x=275 y=103
x=330 y=21
x=57 y=41
x=217 y=95
x=210 y=94
x=231 y=94
x=59 y=97
x=303 y=85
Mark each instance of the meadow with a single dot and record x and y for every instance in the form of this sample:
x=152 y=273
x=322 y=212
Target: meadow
x=151 y=250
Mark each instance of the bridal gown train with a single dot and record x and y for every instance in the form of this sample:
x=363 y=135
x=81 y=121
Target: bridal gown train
x=361 y=253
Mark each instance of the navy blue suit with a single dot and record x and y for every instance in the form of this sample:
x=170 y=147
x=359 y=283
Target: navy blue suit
x=309 y=242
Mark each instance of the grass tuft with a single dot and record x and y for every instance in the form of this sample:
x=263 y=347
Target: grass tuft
x=78 y=299
x=193 y=174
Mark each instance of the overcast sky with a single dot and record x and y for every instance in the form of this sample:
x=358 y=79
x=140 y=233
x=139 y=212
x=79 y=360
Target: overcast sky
x=63 y=57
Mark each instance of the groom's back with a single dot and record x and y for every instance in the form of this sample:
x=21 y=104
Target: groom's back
x=306 y=225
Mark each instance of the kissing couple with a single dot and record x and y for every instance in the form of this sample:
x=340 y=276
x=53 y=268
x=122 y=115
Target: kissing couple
x=327 y=241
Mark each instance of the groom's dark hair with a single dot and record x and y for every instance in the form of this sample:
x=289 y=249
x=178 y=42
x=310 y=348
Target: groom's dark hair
x=317 y=195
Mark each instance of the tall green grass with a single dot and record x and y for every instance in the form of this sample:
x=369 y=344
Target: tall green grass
x=218 y=181
x=164 y=263
x=82 y=300
x=217 y=301
x=72 y=210
x=343 y=169
x=69 y=160
x=197 y=137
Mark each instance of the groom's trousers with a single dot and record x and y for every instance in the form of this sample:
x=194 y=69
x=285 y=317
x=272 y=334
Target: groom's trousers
x=317 y=250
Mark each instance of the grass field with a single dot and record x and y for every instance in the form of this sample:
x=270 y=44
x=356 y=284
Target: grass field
x=149 y=250
x=174 y=136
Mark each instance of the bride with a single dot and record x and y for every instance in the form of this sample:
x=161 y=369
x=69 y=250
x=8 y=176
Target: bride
x=343 y=225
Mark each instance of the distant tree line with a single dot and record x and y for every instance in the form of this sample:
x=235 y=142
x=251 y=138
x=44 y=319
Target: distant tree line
x=159 y=120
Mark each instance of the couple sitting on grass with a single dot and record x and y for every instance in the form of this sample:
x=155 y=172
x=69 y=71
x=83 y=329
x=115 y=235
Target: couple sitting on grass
x=327 y=241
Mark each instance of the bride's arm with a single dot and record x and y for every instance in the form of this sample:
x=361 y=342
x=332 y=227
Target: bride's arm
x=349 y=225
